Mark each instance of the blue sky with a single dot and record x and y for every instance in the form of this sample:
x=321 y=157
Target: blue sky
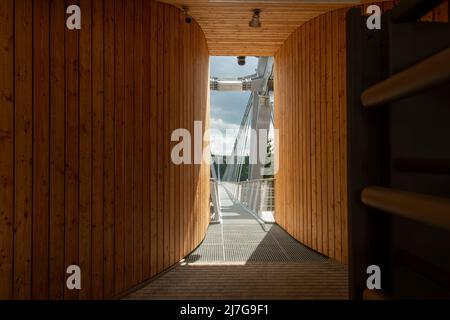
x=227 y=107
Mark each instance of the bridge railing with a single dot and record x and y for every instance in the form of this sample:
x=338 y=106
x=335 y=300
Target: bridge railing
x=216 y=215
x=257 y=196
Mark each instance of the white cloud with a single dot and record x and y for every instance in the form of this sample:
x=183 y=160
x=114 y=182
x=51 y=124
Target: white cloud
x=227 y=107
x=223 y=135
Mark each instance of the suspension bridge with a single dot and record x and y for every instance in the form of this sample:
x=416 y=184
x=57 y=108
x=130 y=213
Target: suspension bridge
x=245 y=254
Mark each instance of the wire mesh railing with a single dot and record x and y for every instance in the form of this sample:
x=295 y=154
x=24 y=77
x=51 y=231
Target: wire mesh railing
x=216 y=215
x=257 y=196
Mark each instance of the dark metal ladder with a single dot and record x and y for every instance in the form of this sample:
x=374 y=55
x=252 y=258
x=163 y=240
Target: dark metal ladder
x=399 y=152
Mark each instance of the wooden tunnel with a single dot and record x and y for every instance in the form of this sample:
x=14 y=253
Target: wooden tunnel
x=86 y=117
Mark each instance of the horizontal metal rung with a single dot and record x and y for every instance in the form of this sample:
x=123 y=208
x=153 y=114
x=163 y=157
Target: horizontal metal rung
x=429 y=73
x=431 y=210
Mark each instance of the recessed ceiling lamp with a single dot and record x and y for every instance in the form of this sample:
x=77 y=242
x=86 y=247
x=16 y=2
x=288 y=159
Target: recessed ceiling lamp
x=255 y=23
x=188 y=17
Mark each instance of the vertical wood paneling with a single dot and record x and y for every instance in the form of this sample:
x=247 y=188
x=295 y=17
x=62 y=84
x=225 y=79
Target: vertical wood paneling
x=330 y=127
x=336 y=138
x=160 y=142
x=23 y=173
x=109 y=151
x=288 y=84
x=146 y=158
x=57 y=147
x=313 y=89
x=441 y=12
x=71 y=219
x=291 y=202
x=171 y=126
x=175 y=102
x=310 y=113
x=7 y=148
x=85 y=148
x=191 y=129
x=85 y=123
x=154 y=187
x=138 y=169
x=119 y=149
x=310 y=93
x=295 y=80
x=318 y=152
x=303 y=176
x=40 y=257
x=98 y=147
x=180 y=118
x=129 y=147
x=185 y=64
x=307 y=119
x=166 y=131
x=343 y=132
x=323 y=135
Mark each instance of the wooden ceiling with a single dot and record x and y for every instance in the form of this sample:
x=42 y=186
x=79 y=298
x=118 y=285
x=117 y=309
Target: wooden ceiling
x=225 y=22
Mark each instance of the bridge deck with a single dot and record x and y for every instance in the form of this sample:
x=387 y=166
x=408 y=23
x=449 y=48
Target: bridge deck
x=242 y=259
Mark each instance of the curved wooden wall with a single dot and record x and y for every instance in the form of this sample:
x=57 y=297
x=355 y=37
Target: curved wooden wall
x=310 y=93
x=85 y=124
x=310 y=116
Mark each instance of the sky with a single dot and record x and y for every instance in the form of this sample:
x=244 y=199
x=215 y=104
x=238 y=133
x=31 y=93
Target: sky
x=227 y=107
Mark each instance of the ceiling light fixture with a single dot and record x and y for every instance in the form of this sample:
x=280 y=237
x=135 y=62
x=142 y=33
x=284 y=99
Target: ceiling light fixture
x=188 y=17
x=255 y=23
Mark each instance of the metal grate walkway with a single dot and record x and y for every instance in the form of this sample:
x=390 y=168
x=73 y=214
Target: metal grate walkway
x=241 y=238
x=246 y=240
x=242 y=259
x=291 y=280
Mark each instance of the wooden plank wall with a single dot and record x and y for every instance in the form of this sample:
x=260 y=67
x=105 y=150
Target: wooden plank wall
x=85 y=124
x=310 y=116
x=310 y=98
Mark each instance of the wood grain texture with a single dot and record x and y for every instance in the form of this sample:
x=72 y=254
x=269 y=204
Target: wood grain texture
x=225 y=23
x=85 y=124
x=226 y=28
x=119 y=192
x=7 y=148
x=309 y=114
x=109 y=180
x=24 y=152
x=85 y=148
x=98 y=149
x=71 y=169
x=57 y=146
x=41 y=148
x=310 y=94
x=85 y=167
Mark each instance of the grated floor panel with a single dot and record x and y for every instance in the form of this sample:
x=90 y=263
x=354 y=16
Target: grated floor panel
x=241 y=259
x=241 y=238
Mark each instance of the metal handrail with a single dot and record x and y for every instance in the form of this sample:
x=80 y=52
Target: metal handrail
x=256 y=195
x=253 y=180
x=216 y=215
